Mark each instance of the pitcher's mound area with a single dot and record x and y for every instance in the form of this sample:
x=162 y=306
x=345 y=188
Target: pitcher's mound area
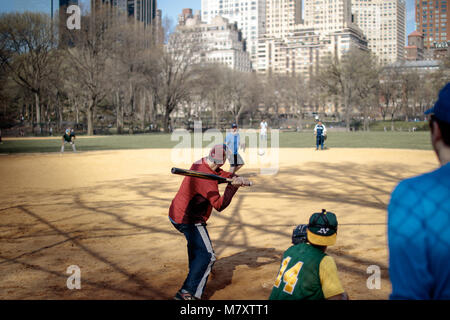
x=106 y=212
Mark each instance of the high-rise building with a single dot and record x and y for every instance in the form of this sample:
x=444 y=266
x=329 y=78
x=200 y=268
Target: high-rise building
x=250 y=16
x=159 y=30
x=64 y=37
x=218 y=42
x=327 y=16
x=185 y=14
x=327 y=31
x=432 y=21
x=282 y=16
x=384 y=24
x=142 y=10
x=305 y=50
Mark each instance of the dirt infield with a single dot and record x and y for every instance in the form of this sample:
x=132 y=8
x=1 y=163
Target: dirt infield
x=106 y=212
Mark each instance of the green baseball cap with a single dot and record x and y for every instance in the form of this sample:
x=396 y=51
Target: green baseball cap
x=322 y=228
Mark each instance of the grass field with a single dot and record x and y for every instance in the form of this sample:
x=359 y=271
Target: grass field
x=389 y=140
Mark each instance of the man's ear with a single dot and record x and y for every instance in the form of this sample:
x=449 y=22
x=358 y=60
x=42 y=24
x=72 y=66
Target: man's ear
x=436 y=135
x=437 y=140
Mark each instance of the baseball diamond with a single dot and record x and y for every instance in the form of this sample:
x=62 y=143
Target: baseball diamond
x=109 y=217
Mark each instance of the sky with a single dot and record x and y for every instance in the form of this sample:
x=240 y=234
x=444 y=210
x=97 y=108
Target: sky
x=170 y=8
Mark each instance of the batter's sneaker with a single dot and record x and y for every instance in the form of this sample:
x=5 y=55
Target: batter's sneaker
x=184 y=295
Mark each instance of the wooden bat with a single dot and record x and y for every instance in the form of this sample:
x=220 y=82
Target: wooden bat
x=202 y=175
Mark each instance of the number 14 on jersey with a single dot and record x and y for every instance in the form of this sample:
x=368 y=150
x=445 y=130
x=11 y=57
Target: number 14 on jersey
x=290 y=276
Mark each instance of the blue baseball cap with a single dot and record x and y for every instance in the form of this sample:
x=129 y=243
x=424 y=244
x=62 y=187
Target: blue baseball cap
x=234 y=125
x=441 y=109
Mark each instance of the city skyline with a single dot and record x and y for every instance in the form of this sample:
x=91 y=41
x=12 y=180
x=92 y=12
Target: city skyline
x=170 y=8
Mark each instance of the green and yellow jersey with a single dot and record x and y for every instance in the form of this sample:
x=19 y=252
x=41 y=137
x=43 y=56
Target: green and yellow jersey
x=306 y=273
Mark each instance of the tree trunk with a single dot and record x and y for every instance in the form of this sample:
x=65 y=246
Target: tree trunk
x=32 y=117
x=60 y=118
x=90 y=117
x=214 y=113
x=38 y=112
x=152 y=110
x=300 y=123
x=143 y=107
x=347 y=113
x=119 y=114
x=58 y=109
x=239 y=111
x=392 y=122
x=166 y=121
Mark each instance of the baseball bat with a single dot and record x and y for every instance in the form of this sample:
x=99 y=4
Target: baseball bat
x=202 y=175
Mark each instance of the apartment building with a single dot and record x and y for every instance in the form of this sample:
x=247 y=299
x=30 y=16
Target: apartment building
x=327 y=16
x=218 y=42
x=432 y=21
x=384 y=24
x=250 y=16
x=282 y=16
x=326 y=31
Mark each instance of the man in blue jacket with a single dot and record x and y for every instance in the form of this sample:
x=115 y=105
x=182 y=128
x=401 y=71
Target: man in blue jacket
x=233 y=142
x=419 y=221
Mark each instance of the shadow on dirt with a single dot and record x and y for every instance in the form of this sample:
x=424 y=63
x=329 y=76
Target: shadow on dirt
x=370 y=185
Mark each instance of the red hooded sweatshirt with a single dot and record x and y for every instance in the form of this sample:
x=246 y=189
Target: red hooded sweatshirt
x=196 y=197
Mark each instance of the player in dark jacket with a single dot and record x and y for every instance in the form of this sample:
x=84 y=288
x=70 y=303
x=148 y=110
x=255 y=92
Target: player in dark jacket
x=189 y=211
x=320 y=132
x=68 y=137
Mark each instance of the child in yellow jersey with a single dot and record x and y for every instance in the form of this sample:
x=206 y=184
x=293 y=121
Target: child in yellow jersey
x=307 y=272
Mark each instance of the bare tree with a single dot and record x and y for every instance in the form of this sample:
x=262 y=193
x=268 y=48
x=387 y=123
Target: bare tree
x=89 y=58
x=410 y=81
x=274 y=93
x=172 y=76
x=387 y=91
x=27 y=41
x=211 y=88
x=367 y=87
x=340 y=77
x=391 y=92
x=132 y=44
x=296 y=97
x=235 y=92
